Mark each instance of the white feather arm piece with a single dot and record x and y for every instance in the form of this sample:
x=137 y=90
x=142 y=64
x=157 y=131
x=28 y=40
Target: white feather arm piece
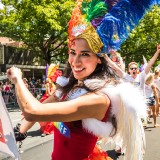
x=97 y=128
x=62 y=81
x=128 y=111
x=128 y=106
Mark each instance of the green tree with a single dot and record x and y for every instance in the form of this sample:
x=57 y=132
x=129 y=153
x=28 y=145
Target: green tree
x=40 y=24
x=143 y=39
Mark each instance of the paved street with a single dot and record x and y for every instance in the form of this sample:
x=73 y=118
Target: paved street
x=152 y=143
x=36 y=147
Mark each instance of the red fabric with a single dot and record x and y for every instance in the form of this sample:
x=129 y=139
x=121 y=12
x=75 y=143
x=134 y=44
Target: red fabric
x=78 y=146
x=2 y=138
x=6 y=88
x=45 y=96
x=97 y=154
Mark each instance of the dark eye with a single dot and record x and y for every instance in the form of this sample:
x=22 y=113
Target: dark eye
x=72 y=53
x=85 y=54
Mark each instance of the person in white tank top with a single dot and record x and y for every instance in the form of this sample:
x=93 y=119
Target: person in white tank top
x=157 y=83
x=150 y=95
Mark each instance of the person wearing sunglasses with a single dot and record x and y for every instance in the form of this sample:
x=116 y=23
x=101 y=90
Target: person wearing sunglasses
x=138 y=79
x=133 y=75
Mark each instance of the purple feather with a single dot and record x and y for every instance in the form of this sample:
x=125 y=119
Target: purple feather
x=96 y=22
x=111 y=3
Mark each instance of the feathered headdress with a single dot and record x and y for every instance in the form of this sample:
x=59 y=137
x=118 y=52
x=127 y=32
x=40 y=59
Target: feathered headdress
x=105 y=24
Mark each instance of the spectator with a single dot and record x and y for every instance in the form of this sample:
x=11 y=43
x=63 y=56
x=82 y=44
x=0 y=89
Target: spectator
x=157 y=83
x=151 y=94
x=6 y=91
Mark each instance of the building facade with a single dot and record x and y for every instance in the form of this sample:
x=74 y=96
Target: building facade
x=12 y=55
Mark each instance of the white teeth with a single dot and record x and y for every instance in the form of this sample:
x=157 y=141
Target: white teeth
x=78 y=69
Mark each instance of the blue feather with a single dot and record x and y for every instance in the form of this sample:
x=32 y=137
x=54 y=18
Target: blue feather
x=121 y=20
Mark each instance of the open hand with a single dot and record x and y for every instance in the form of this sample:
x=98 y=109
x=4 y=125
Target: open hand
x=14 y=74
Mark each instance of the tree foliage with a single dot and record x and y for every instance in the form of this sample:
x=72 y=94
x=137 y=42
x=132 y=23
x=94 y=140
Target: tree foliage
x=143 y=39
x=40 y=24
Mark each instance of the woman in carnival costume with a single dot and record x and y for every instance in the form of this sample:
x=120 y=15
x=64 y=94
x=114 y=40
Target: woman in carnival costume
x=92 y=104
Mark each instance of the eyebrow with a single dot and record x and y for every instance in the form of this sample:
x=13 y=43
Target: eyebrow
x=81 y=51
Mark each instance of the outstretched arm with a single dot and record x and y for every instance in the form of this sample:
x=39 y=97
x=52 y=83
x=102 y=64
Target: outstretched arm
x=95 y=106
x=152 y=60
x=114 y=66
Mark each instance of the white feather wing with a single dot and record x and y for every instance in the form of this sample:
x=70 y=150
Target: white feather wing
x=128 y=106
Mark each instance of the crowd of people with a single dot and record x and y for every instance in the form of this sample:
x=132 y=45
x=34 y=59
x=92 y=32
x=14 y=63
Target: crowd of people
x=36 y=86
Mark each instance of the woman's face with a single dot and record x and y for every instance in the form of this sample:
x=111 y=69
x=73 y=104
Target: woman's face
x=81 y=59
x=133 y=69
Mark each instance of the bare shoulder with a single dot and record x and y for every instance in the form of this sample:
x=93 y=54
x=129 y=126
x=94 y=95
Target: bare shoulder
x=94 y=104
x=95 y=98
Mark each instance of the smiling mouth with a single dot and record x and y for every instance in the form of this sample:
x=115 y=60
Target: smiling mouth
x=78 y=69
